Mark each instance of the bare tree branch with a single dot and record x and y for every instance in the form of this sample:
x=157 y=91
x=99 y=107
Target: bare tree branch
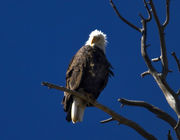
x=160 y=78
x=115 y=116
x=170 y=95
x=177 y=60
x=122 y=18
x=158 y=112
x=143 y=47
x=177 y=125
x=161 y=28
x=145 y=73
x=148 y=10
x=107 y=120
x=156 y=59
x=155 y=14
x=167 y=14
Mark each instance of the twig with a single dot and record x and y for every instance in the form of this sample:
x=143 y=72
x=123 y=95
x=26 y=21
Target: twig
x=156 y=59
x=161 y=28
x=145 y=73
x=167 y=14
x=115 y=116
x=148 y=10
x=155 y=14
x=107 y=120
x=177 y=125
x=122 y=18
x=177 y=60
x=169 y=135
x=143 y=47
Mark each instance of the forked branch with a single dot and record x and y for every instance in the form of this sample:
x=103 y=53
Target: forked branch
x=122 y=18
x=167 y=14
x=169 y=94
x=161 y=29
x=148 y=11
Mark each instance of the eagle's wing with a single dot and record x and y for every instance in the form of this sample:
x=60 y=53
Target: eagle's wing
x=74 y=76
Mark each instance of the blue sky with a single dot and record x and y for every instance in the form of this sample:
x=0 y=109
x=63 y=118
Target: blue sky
x=38 y=39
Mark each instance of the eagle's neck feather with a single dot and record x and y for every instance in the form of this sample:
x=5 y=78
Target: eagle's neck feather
x=100 y=45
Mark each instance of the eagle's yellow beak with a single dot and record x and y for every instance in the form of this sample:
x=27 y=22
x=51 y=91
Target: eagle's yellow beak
x=94 y=40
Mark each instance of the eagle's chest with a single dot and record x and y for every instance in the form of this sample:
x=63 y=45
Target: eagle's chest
x=96 y=68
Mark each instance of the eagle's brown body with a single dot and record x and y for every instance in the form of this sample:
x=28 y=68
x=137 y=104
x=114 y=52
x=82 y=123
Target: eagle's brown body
x=89 y=71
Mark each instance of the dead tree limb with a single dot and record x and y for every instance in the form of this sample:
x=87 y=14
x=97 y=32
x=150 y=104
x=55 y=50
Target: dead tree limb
x=167 y=14
x=114 y=115
x=145 y=73
x=161 y=29
x=107 y=120
x=177 y=60
x=123 y=19
x=160 y=78
x=158 y=112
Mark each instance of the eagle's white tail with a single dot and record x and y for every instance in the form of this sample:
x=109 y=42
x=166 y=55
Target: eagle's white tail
x=77 y=110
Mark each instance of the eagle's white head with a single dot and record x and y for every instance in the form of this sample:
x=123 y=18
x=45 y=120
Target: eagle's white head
x=97 y=38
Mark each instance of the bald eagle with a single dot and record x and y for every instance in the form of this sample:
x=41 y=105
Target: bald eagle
x=88 y=71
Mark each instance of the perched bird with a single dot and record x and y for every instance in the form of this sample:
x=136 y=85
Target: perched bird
x=88 y=71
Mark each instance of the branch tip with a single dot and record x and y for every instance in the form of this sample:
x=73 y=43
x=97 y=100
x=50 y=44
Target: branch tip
x=167 y=14
x=122 y=18
x=177 y=125
x=107 y=120
x=141 y=16
x=176 y=59
x=119 y=100
x=43 y=83
x=148 y=10
x=156 y=59
x=145 y=73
